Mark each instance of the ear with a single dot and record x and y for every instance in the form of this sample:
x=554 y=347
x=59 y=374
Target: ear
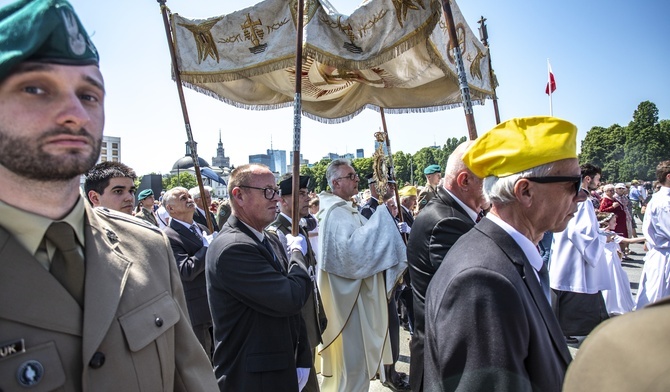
x=94 y=198
x=524 y=192
x=236 y=194
x=463 y=179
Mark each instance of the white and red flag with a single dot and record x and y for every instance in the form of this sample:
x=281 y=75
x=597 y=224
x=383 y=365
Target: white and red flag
x=551 y=84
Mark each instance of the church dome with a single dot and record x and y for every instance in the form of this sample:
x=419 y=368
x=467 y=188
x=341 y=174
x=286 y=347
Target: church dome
x=186 y=162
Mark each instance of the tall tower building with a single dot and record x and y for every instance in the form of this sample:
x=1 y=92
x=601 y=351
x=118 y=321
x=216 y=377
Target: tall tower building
x=220 y=160
x=110 y=149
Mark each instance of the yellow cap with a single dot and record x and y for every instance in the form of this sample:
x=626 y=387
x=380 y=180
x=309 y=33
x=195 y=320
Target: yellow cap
x=407 y=191
x=520 y=144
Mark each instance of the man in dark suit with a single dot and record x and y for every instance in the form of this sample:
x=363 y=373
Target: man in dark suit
x=312 y=312
x=189 y=244
x=489 y=323
x=202 y=206
x=451 y=213
x=370 y=206
x=256 y=294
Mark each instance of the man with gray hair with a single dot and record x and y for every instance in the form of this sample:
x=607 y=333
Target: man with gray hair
x=453 y=213
x=360 y=261
x=489 y=323
x=202 y=206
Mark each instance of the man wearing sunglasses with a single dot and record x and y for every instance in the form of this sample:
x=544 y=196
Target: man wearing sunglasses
x=578 y=271
x=256 y=293
x=488 y=318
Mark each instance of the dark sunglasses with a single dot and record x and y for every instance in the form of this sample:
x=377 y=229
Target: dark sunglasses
x=576 y=180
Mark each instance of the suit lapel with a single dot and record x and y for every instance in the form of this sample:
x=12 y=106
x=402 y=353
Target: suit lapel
x=521 y=263
x=24 y=277
x=106 y=273
x=186 y=234
x=237 y=224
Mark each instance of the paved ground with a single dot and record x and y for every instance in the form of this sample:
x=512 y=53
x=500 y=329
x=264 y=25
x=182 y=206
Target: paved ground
x=632 y=267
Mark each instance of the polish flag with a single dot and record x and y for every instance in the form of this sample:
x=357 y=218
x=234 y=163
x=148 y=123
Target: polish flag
x=551 y=84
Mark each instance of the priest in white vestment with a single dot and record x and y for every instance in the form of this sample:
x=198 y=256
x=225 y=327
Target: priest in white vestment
x=360 y=261
x=655 y=279
x=578 y=270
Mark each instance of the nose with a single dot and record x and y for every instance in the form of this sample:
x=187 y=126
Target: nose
x=73 y=114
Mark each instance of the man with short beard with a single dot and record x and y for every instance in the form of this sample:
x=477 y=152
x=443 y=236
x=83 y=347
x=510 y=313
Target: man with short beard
x=91 y=298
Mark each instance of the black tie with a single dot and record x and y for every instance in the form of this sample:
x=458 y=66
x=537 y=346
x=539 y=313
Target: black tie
x=267 y=245
x=543 y=273
x=67 y=265
x=195 y=231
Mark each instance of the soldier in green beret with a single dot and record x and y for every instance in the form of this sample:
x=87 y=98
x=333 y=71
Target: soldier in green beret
x=91 y=298
x=433 y=175
x=145 y=207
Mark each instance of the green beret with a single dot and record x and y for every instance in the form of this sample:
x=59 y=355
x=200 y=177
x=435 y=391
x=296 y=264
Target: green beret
x=144 y=194
x=432 y=169
x=45 y=31
x=286 y=185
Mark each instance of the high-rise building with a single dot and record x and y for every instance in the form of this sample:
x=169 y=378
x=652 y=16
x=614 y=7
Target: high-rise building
x=110 y=149
x=278 y=159
x=262 y=159
x=360 y=153
x=220 y=160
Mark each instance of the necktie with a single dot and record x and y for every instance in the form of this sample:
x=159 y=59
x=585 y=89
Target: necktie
x=267 y=245
x=67 y=265
x=543 y=273
x=195 y=231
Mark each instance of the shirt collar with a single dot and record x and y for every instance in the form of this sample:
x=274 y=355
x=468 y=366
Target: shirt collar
x=528 y=248
x=471 y=213
x=29 y=228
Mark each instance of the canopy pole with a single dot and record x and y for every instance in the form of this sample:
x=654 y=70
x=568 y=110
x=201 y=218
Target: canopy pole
x=297 y=114
x=462 y=78
x=392 y=169
x=187 y=123
x=484 y=37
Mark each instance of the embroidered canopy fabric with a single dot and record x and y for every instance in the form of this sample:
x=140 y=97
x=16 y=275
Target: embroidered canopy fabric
x=388 y=53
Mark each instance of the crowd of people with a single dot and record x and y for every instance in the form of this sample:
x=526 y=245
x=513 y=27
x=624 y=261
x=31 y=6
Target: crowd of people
x=495 y=266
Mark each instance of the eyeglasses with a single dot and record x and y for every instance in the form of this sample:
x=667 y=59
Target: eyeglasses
x=351 y=176
x=576 y=180
x=268 y=193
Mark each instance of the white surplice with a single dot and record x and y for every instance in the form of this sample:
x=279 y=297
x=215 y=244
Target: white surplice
x=619 y=299
x=655 y=279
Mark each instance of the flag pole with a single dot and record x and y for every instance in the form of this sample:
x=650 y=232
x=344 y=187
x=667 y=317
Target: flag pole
x=182 y=100
x=484 y=37
x=392 y=169
x=297 y=114
x=550 y=87
x=462 y=78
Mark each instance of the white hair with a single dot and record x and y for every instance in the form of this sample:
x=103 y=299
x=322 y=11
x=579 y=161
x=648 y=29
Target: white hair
x=195 y=191
x=333 y=170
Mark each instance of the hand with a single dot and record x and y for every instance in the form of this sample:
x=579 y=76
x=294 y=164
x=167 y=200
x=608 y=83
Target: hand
x=296 y=243
x=615 y=204
x=404 y=227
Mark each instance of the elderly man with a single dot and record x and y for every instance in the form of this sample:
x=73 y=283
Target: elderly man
x=202 y=204
x=360 y=260
x=433 y=175
x=408 y=202
x=111 y=185
x=578 y=269
x=256 y=294
x=453 y=213
x=312 y=312
x=489 y=324
x=145 y=207
x=91 y=298
x=189 y=243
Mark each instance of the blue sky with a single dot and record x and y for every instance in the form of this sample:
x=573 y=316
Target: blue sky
x=607 y=57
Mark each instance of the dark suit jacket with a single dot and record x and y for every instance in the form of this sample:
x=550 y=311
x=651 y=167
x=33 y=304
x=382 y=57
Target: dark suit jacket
x=259 y=332
x=434 y=231
x=190 y=256
x=312 y=308
x=200 y=218
x=488 y=324
x=369 y=207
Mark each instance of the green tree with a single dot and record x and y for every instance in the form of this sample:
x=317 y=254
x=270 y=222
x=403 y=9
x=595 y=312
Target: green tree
x=185 y=179
x=647 y=143
x=424 y=157
x=363 y=167
x=318 y=174
x=603 y=147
